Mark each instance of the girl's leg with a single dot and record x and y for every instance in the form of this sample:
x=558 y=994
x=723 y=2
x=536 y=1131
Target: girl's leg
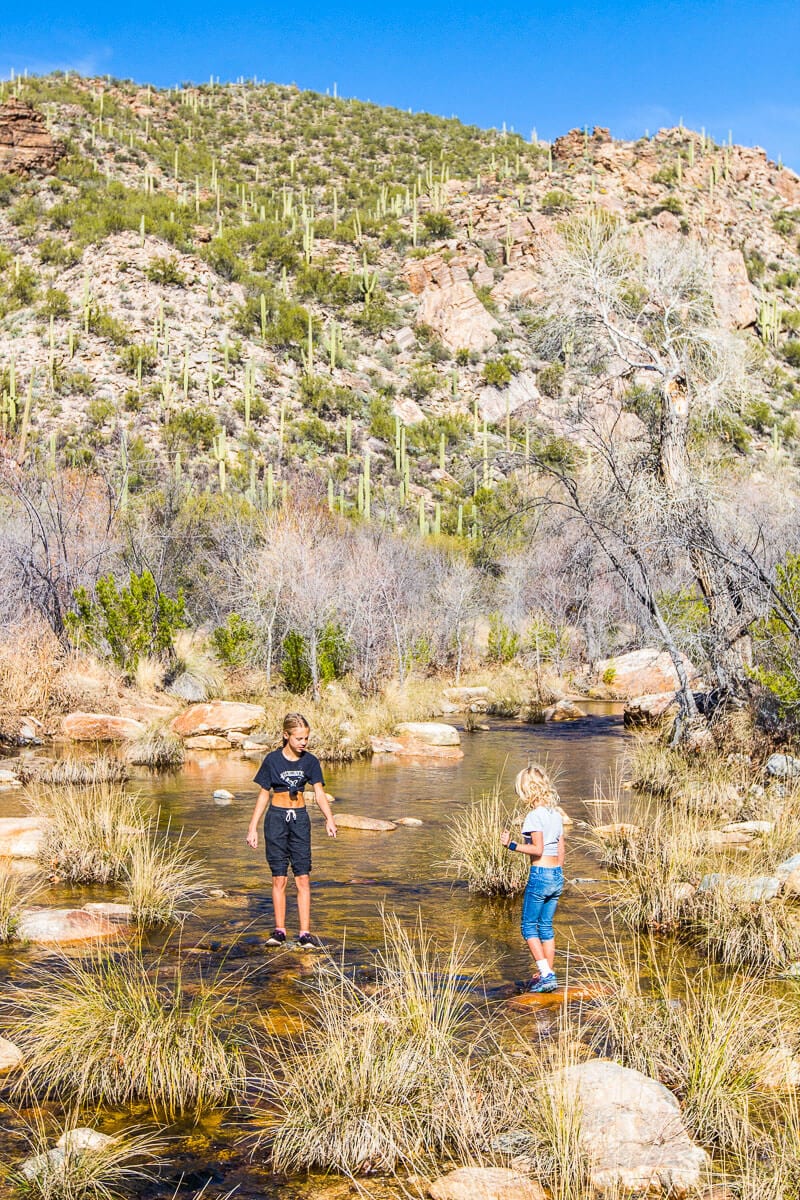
x=279 y=900
x=303 y=885
x=546 y=935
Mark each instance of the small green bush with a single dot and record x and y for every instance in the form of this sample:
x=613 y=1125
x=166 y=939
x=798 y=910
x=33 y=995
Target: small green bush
x=137 y=620
x=294 y=663
x=550 y=380
x=791 y=352
x=557 y=201
x=437 y=225
x=235 y=641
x=503 y=643
x=138 y=358
x=192 y=428
x=56 y=304
x=166 y=271
x=104 y=325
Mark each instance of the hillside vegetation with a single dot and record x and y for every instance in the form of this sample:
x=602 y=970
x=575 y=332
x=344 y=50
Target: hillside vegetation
x=243 y=317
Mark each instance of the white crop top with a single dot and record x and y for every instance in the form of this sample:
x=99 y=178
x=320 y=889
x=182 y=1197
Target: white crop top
x=548 y=822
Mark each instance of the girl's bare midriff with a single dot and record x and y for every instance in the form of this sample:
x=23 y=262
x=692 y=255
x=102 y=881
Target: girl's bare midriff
x=284 y=800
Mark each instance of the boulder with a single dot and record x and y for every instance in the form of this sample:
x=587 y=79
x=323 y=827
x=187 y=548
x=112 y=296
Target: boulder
x=731 y=291
x=21 y=837
x=563 y=710
x=187 y=687
x=448 y=303
x=10 y=1056
x=8 y=778
x=26 y=143
x=431 y=733
x=616 y=829
x=631 y=1131
x=223 y=796
x=410 y=747
x=216 y=717
x=485 y=1183
x=791 y=883
x=783 y=766
x=639 y=673
x=100 y=727
x=745 y=889
x=494 y=403
x=367 y=824
x=466 y=695
x=519 y=283
x=60 y=925
x=650 y=711
x=776 y=1070
x=207 y=741
x=715 y=839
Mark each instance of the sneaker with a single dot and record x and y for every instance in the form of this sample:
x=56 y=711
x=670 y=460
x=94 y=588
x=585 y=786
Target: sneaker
x=307 y=941
x=277 y=937
x=548 y=983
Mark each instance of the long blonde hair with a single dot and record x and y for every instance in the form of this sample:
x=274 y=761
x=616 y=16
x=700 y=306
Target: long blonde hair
x=535 y=787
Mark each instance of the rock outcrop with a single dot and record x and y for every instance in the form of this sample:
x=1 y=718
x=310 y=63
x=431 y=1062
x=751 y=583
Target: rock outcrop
x=100 y=727
x=26 y=144
x=449 y=305
x=217 y=717
x=639 y=673
x=733 y=295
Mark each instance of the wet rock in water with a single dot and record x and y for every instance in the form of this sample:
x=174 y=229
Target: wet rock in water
x=367 y=824
x=308 y=796
x=485 y=1183
x=21 y=837
x=218 y=716
x=71 y=1144
x=575 y=994
x=10 y=1056
x=410 y=821
x=745 y=889
x=432 y=733
x=217 y=894
x=223 y=797
x=463 y=697
x=207 y=741
x=100 y=727
x=749 y=827
x=615 y=830
x=61 y=925
x=112 y=910
x=563 y=710
x=631 y=1131
x=783 y=766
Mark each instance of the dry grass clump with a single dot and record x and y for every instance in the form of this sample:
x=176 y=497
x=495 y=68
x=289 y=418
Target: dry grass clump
x=16 y=891
x=477 y=855
x=91 y=831
x=163 y=878
x=158 y=748
x=383 y=1077
x=30 y=655
x=84 y=772
x=74 y=1171
x=754 y=935
x=106 y=1030
x=704 y=1037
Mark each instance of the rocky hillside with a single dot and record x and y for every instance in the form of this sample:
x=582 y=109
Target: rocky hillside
x=251 y=284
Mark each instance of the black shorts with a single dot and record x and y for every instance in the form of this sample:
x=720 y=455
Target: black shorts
x=287 y=840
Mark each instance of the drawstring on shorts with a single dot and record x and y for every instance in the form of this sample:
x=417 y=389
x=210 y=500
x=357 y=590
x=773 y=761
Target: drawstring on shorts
x=291 y=815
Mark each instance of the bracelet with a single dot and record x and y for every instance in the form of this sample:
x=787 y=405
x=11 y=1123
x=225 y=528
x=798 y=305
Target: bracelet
x=512 y=845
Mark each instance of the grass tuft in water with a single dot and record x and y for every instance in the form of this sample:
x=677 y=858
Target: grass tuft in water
x=91 y=831
x=477 y=856
x=159 y=749
x=163 y=878
x=16 y=891
x=82 y=773
x=109 y=1030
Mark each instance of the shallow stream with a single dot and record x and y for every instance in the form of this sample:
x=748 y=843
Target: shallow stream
x=353 y=877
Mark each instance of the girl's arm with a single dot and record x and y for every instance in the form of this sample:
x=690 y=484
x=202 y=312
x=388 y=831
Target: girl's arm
x=324 y=807
x=258 y=813
x=535 y=848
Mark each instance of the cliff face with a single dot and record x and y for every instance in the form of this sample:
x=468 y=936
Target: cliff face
x=25 y=142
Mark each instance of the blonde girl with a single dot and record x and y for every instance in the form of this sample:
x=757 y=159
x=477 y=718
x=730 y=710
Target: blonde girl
x=543 y=834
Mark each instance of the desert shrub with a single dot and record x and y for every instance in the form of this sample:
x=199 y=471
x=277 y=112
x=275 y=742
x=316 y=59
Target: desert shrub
x=54 y=252
x=106 y=1030
x=235 y=641
x=502 y=643
x=422 y=380
x=56 y=304
x=556 y=200
x=775 y=641
x=191 y=428
x=550 y=380
x=477 y=856
x=791 y=352
x=437 y=225
x=138 y=359
x=102 y=323
x=166 y=271
x=127 y=623
x=499 y=371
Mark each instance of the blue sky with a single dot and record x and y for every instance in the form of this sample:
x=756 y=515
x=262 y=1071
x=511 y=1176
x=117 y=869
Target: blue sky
x=722 y=64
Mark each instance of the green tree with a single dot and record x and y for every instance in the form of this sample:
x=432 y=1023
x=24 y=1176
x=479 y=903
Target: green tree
x=136 y=621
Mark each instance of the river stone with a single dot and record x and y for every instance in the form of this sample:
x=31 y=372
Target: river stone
x=410 y=747
x=650 y=710
x=10 y=1056
x=485 y=1183
x=218 y=716
x=576 y=993
x=784 y=869
x=410 y=821
x=223 y=796
x=186 y=687
x=782 y=766
x=21 y=837
x=639 y=673
x=631 y=1131
x=100 y=727
x=207 y=741
x=776 y=1070
x=368 y=824
x=83 y=1138
x=564 y=710
x=745 y=889
x=717 y=839
x=430 y=733
x=72 y=1143
x=61 y=925
x=8 y=777
x=749 y=827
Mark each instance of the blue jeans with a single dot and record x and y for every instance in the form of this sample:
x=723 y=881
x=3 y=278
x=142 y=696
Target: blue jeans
x=545 y=885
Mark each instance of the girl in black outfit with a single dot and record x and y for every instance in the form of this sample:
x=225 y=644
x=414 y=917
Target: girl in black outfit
x=287 y=827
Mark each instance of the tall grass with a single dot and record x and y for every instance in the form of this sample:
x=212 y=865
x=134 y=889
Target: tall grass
x=107 y=1030
x=477 y=855
x=158 y=748
x=91 y=831
x=84 y=773
x=762 y=935
x=16 y=890
x=71 y=1171
x=163 y=878
x=383 y=1078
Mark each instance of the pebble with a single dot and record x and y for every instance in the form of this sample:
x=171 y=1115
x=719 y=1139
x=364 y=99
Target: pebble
x=410 y=821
